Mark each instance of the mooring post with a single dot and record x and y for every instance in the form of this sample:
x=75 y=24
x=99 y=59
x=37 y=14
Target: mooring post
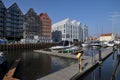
x=100 y=54
x=79 y=57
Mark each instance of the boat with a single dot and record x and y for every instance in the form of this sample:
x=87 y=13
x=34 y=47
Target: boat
x=64 y=44
x=2 y=58
x=95 y=43
x=117 y=42
x=72 y=49
x=85 y=44
x=110 y=44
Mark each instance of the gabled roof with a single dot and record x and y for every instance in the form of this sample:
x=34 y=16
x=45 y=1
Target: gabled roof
x=31 y=11
x=44 y=15
x=74 y=21
x=108 y=34
x=2 y=5
x=15 y=6
x=61 y=22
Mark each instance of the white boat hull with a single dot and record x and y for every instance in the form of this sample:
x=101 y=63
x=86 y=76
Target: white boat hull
x=59 y=47
x=85 y=45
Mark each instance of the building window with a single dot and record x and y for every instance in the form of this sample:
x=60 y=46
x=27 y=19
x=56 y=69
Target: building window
x=67 y=36
x=63 y=35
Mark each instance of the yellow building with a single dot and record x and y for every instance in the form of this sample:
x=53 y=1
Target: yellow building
x=107 y=37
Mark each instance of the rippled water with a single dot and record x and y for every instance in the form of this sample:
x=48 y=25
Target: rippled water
x=36 y=65
x=109 y=70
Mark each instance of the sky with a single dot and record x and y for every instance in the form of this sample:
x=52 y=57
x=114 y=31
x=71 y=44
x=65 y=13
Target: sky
x=101 y=16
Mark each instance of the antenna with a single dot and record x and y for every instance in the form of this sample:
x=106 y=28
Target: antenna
x=114 y=18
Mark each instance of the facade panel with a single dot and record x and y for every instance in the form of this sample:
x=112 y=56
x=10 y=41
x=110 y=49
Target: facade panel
x=70 y=30
x=14 y=23
x=32 y=25
x=2 y=19
x=46 y=25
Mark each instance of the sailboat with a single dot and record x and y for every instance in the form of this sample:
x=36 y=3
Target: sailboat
x=64 y=44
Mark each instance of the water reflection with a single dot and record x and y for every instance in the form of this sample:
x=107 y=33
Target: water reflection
x=3 y=64
x=109 y=70
x=36 y=65
x=100 y=72
x=117 y=67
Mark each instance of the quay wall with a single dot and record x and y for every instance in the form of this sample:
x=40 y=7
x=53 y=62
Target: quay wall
x=4 y=47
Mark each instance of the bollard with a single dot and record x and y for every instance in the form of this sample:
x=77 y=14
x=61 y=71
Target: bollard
x=100 y=55
x=79 y=57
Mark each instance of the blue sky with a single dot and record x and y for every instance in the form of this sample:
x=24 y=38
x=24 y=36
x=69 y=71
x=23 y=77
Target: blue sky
x=96 y=14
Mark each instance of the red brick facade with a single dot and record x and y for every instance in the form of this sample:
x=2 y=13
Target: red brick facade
x=46 y=25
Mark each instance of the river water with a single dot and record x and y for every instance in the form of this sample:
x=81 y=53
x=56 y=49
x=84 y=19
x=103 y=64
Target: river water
x=108 y=70
x=36 y=65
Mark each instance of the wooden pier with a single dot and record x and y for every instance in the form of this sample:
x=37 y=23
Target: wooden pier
x=9 y=75
x=65 y=55
x=72 y=72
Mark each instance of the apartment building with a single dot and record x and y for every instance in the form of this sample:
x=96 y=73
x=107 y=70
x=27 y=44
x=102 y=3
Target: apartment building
x=31 y=25
x=14 y=23
x=11 y=22
x=2 y=19
x=71 y=30
x=45 y=25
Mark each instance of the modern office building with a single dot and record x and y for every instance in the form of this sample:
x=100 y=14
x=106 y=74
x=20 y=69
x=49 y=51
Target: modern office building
x=2 y=20
x=64 y=27
x=85 y=32
x=71 y=30
x=80 y=31
x=45 y=25
x=11 y=22
x=31 y=25
x=14 y=23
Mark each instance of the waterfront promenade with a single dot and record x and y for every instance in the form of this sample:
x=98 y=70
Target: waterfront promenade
x=72 y=72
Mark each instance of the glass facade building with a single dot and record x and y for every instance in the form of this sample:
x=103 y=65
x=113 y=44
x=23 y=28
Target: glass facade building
x=14 y=23
x=11 y=22
x=2 y=19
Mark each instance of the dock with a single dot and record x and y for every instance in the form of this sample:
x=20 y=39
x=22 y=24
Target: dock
x=72 y=72
x=9 y=75
x=65 y=55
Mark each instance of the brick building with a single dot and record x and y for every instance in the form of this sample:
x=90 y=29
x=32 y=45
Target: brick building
x=45 y=25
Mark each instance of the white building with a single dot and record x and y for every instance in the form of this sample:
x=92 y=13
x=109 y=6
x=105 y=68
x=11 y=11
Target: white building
x=85 y=32
x=70 y=30
x=107 y=37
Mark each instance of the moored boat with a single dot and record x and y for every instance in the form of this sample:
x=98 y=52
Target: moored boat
x=2 y=58
x=110 y=44
x=95 y=43
x=62 y=45
x=85 y=44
